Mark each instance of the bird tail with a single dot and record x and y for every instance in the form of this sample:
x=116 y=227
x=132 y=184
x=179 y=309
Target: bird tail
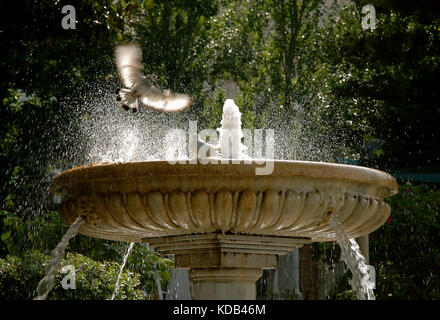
x=127 y=99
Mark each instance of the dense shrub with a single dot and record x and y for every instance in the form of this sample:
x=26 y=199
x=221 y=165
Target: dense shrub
x=42 y=233
x=19 y=277
x=406 y=249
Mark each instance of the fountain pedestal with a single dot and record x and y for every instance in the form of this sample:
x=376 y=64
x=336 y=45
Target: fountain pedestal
x=225 y=266
x=224 y=283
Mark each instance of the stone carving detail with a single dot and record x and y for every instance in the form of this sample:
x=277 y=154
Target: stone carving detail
x=85 y=208
x=134 y=215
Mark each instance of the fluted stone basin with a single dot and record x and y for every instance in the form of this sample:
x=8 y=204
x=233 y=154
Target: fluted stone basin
x=195 y=209
x=131 y=201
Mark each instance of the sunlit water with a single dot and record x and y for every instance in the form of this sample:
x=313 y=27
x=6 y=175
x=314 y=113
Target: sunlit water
x=230 y=132
x=115 y=292
x=101 y=132
x=46 y=284
x=355 y=261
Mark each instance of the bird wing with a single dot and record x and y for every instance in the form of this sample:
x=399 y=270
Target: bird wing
x=166 y=100
x=129 y=63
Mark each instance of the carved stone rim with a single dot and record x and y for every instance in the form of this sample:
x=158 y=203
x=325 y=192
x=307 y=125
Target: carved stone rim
x=282 y=168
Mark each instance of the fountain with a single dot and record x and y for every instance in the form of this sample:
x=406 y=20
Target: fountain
x=223 y=221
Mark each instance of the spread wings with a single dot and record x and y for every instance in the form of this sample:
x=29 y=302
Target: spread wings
x=130 y=69
x=129 y=63
x=166 y=100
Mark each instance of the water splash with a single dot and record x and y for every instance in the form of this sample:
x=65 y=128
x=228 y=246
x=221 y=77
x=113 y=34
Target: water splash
x=355 y=261
x=99 y=132
x=115 y=292
x=46 y=284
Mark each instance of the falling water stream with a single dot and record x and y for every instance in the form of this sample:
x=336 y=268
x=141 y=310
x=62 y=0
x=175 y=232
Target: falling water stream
x=46 y=284
x=127 y=254
x=130 y=248
x=355 y=261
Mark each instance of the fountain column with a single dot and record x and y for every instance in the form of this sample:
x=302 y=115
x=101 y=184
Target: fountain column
x=225 y=283
x=225 y=266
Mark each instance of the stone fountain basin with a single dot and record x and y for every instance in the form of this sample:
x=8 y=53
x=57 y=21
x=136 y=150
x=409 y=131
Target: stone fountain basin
x=140 y=200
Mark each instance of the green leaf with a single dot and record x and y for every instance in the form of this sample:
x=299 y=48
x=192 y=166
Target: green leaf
x=6 y=235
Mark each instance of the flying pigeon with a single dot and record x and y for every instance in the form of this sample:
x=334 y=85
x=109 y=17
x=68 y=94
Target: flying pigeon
x=144 y=88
